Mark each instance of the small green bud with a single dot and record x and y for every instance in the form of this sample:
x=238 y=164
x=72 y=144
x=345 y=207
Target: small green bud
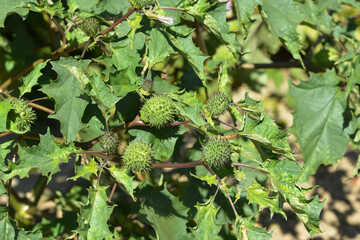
x=138 y=156
x=218 y=104
x=216 y=152
x=91 y=26
x=147 y=87
x=230 y=181
x=108 y=142
x=158 y=111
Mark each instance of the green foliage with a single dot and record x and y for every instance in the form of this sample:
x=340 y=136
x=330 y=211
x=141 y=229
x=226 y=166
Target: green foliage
x=80 y=79
x=316 y=134
x=138 y=4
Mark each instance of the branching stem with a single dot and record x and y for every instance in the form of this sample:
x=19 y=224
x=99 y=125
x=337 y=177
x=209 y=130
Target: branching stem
x=113 y=190
x=120 y=20
x=101 y=169
x=227 y=193
x=178 y=165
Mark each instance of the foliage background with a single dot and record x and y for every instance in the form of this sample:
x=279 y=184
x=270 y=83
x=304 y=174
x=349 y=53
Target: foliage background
x=320 y=36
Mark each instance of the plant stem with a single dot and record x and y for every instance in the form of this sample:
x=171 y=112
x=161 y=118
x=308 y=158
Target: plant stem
x=101 y=169
x=349 y=20
x=118 y=21
x=231 y=203
x=113 y=190
x=226 y=124
x=199 y=38
x=227 y=194
x=292 y=64
x=177 y=165
x=5 y=134
x=38 y=189
x=36 y=99
x=45 y=109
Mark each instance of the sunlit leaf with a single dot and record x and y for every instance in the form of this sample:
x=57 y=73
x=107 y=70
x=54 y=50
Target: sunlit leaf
x=321 y=97
x=160 y=208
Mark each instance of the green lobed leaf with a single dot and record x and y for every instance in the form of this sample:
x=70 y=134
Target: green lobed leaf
x=259 y=195
x=31 y=79
x=9 y=230
x=215 y=20
x=70 y=98
x=5 y=107
x=85 y=170
x=189 y=107
x=95 y=215
x=162 y=86
x=206 y=228
x=283 y=179
x=114 y=7
x=284 y=24
x=159 y=47
x=164 y=212
x=213 y=16
x=7 y=227
x=134 y=23
x=101 y=93
x=122 y=177
x=5 y=148
x=263 y=130
x=246 y=229
x=354 y=77
x=46 y=157
x=323 y=138
x=94 y=120
x=223 y=78
x=94 y=87
x=195 y=57
x=51 y=8
x=7 y=7
x=124 y=81
x=244 y=9
x=208 y=178
x=318 y=16
x=125 y=57
x=162 y=140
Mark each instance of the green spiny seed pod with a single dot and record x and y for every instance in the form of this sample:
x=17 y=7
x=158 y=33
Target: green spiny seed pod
x=91 y=26
x=138 y=156
x=216 y=152
x=158 y=111
x=108 y=142
x=24 y=114
x=218 y=104
x=138 y=4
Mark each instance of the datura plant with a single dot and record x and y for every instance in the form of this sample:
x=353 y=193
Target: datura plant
x=150 y=105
